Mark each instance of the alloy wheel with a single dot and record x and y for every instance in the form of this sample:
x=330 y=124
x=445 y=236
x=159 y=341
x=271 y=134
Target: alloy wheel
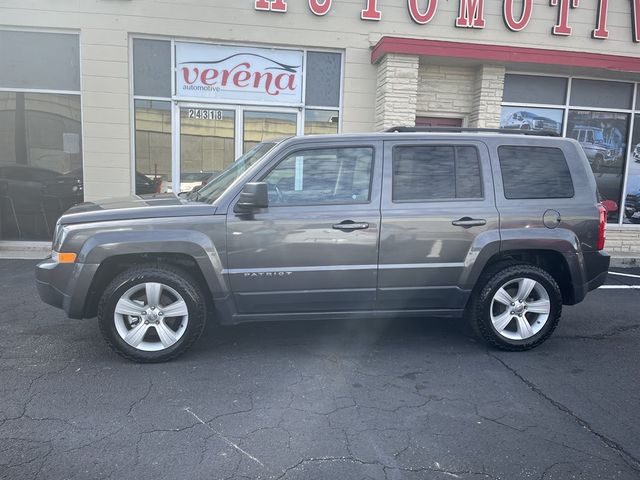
x=520 y=309
x=151 y=316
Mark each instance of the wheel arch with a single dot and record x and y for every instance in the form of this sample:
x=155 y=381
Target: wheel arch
x=557 y=264
x=114 y=252
x=112 y=266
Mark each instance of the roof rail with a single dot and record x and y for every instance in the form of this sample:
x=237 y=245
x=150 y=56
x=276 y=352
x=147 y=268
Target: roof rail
x=546 y=133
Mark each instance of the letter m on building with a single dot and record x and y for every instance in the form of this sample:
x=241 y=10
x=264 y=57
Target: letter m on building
x=471 y=14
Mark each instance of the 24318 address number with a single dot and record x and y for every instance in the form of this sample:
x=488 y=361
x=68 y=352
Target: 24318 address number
x=204 y=114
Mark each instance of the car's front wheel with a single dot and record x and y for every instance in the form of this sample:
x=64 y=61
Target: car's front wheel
x=517 y=307
x=152 y=314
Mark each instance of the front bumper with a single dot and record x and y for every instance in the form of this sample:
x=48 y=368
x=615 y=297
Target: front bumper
x=65 y=285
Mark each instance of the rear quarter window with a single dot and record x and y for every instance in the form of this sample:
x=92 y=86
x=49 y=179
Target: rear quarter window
x=534 y=172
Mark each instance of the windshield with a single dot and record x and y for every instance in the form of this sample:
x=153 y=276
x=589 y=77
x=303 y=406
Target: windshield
x=218 y=184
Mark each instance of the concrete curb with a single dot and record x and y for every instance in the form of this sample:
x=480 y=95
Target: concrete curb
x=625 y=262
x=24 y=250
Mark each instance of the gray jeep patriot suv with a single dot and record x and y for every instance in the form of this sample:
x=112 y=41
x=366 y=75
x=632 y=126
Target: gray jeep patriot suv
x=501 y=228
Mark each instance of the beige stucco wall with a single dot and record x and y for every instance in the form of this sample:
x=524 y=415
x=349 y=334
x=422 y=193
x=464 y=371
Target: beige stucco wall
x=105 y=27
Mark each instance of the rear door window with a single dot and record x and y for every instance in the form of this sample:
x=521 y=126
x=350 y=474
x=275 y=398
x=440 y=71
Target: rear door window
x=436 y=172
x=534 y=172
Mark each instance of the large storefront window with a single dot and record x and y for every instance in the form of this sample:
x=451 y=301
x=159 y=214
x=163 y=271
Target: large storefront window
x=596 y=113
x=320 y=122
x=225 y=100
x=153 y=146
x=602 y=136
x=632 y=198
x=41 y=172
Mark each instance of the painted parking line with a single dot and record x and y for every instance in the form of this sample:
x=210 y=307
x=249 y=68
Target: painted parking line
x=622 y=286
x=624 y=274
x=614 y=287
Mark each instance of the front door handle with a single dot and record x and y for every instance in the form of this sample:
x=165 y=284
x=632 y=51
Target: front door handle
x=349 y=225
x=469 y=222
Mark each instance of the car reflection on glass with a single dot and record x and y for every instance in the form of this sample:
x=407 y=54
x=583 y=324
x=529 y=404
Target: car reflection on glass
x=636 y=153
x=632 y=206
x=524 y=120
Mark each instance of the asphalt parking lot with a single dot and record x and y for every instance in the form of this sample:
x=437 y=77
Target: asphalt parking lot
x=407 y=399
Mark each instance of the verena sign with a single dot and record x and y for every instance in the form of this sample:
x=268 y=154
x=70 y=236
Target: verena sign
x=516 y=14
x=238 y=73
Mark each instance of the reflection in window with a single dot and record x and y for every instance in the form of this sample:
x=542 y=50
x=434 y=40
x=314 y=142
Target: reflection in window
x=320 y=122
x=207 y=145
x=539 y=120
x=153 y=146
x=326 y=176
x=632 y=196
x=262 y=126
x=435 y=173
x=603 y=137
x=40 y=162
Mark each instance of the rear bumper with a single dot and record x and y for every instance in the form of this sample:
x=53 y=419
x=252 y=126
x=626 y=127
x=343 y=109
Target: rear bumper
x=597 y=282
x=597 y=268
x=588 y=272
x=64 y=286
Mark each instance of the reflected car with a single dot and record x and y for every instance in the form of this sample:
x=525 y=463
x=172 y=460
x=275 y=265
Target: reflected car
x=524 y=120
x=636 y=153
x=632 y=207
x=23 y=209
x=592 y=140
x=69 y=187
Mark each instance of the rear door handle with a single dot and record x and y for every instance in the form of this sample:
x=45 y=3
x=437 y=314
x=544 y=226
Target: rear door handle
x=349 y=225
x=469 y=222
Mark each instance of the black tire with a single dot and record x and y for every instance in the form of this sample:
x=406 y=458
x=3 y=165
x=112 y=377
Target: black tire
x=175 y=278
x=479 y=312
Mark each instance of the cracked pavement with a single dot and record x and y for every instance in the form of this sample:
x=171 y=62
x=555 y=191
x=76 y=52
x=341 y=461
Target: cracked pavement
x=379 y=399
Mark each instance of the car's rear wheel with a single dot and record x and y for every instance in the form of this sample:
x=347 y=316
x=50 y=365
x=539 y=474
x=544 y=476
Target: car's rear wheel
x=152 y=314
x=517 y=307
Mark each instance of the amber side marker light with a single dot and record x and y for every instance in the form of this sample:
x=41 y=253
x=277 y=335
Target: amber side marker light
x=62 y=257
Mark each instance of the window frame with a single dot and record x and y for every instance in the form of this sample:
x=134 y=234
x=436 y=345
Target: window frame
x=263 y=175
x=454 y=145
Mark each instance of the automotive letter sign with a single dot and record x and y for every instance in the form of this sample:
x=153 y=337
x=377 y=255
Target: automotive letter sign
x=238 y=73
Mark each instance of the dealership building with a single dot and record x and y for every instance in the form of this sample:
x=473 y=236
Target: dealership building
x=108 y=98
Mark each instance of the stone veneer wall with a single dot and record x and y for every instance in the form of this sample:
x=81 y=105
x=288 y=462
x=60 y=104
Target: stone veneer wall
x=623 y=242
x=487 y=101
x=396 y=91
x=445 y=91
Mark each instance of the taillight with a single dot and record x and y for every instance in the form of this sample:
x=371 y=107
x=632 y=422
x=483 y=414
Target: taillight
x=603 y=225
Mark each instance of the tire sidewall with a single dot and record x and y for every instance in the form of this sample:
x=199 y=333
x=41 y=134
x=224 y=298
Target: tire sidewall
x=501 y=278
x=179 y=282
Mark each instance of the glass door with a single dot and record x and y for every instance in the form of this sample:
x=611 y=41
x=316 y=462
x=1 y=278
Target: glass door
x=207 y=144
x=209 y=138
x=259 y=125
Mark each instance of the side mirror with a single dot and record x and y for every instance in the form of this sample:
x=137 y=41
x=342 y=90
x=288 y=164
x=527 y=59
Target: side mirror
x=252 y=197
